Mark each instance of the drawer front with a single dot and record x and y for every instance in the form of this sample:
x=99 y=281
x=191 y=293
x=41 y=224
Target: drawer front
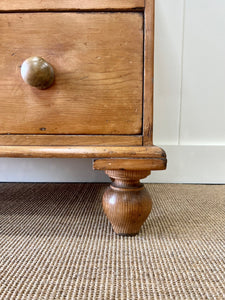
x=33 y=5
x=98 y=64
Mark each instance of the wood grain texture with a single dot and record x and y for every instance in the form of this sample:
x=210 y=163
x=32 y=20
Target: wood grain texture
x=54 y=5
x=126 y=202
x=70 y=140
x=97 y=58
x=82 y=152
x=130 y=164
x=148 y=72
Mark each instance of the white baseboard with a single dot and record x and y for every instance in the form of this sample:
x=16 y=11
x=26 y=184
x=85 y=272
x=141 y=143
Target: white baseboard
x=186 y=164
x=192 y=164
x=49 y=170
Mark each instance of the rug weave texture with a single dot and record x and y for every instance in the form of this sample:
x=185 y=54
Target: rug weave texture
x=56 y=243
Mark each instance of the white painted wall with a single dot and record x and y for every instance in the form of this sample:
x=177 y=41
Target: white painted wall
x=190 y=86
x=189 y=110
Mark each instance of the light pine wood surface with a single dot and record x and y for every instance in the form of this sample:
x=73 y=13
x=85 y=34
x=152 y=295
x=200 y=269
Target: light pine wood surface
x=97 y=58
x=130 y=164
x=148 y=73
x=83 y=151
x=70 y=140
x=33 y=5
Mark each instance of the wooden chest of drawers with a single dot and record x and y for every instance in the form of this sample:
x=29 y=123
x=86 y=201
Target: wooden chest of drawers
x=77 y=81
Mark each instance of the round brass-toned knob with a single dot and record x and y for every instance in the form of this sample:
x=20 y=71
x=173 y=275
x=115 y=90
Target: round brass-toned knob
x=37 y=72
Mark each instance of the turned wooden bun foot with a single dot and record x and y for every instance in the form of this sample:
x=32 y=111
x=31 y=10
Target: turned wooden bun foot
x=126 y=202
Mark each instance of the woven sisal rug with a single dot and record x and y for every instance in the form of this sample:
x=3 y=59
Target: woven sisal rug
x=56 y=243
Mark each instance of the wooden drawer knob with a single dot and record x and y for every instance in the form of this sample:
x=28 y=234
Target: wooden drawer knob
x=37 y=72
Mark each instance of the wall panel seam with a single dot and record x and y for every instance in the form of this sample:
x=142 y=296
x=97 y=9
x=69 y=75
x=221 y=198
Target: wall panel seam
x=181 y=72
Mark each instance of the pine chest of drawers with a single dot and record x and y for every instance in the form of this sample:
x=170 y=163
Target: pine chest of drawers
x=77 y=81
